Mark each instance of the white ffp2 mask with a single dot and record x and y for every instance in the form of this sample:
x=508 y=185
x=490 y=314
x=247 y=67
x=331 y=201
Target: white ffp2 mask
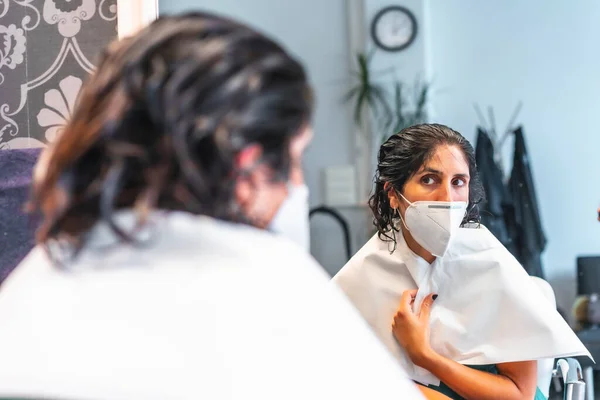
x=291 y=219
x=432 y=223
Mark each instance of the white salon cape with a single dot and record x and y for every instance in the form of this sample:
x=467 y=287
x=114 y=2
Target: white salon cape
x=203 y=310
x=488 y=310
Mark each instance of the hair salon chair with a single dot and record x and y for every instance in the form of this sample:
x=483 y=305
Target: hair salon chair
x=568 y=370
x=588 y=283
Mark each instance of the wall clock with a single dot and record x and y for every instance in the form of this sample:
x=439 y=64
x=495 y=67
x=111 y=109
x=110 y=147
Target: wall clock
x=394 y=28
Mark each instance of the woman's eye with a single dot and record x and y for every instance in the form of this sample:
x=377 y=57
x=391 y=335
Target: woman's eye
x=459 y=182
x=428 y=180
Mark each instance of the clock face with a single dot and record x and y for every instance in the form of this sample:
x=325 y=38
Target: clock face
x=394 y=28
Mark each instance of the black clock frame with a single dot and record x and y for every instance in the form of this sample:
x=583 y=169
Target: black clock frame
x=378 y=16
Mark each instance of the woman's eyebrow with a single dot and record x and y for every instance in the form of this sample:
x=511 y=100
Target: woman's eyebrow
x=441 y=173
x=430 y=170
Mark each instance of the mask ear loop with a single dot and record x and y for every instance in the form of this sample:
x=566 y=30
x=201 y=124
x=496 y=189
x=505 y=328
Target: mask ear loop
x=398 y=210
x=402 y=219
x=394 y=229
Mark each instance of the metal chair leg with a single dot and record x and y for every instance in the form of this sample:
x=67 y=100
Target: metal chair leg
x=588 y=373
x=570 y=371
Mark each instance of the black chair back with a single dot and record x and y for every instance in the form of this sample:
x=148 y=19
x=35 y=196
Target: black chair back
x=588 y=275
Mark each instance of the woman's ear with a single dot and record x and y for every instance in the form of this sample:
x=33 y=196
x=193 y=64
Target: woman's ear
x=392 y=196
x=247 y=158
x=246 y=161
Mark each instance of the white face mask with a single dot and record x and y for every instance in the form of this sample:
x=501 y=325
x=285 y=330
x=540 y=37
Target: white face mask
x=291 y=219
x=432 y=223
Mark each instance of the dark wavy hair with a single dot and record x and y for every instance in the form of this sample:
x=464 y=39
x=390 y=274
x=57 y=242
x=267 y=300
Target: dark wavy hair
x=403 y=155
x=160 y=122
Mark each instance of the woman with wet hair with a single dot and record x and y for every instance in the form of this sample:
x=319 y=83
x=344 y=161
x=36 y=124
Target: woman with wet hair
x=446 y=298
x=403 y=155
x=172 y=260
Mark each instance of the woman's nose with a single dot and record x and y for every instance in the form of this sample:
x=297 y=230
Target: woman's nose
x=444 y=192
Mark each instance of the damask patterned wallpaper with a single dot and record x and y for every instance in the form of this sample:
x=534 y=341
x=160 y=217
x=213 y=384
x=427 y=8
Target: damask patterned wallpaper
x=47 y=48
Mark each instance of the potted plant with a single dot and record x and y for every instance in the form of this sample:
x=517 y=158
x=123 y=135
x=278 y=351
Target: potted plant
x=388 y=105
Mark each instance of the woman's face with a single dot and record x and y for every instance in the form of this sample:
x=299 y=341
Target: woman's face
x=258 y=196
x=444 y=177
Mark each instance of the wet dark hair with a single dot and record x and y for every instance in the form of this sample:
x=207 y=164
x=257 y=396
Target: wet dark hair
x=403 y=155
x=160 y=122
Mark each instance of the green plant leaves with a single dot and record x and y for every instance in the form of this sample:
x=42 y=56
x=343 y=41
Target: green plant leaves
x=390 y=110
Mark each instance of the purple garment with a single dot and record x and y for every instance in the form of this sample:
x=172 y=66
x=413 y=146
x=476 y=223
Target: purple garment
x=17 y=229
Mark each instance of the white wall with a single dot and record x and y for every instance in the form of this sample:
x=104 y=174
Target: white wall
x=134 y=15
x=316 y=32
x=408 y=65
x=545 y=54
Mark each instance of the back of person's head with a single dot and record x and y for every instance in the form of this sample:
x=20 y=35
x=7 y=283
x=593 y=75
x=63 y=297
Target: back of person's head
x=196 y=113
x=405 y=153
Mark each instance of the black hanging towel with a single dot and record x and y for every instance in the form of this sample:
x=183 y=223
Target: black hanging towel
x=526 y=226
x=492 y=209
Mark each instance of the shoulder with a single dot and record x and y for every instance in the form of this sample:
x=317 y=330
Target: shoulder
x=227 y=276
x=175 y=244
x=373 y=249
